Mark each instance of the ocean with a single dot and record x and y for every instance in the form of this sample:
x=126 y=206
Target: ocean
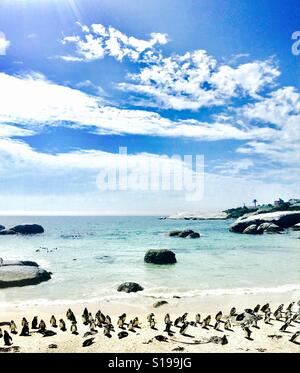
x=90 y=256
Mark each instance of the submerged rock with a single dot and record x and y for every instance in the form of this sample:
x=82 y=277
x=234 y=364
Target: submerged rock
x=22 y=273
x=183 y=234
x=1 y=227
x=157 y=256
x=130 y=287
x=6 y=232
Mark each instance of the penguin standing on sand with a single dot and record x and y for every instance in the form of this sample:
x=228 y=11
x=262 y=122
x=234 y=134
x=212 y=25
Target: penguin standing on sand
x=265 y=307
x=93 y=326
x=232 y=312
x=85 y=320
x=278 y=314
x=62 y=325
x=74 y=328
x=42 y=326
x=7 y=339
x=206 y=322
x=256 y=308
x=227 y=325
x=284 y=326
x=152 y=324
x=70 y=316
x=150 y=317
x=107 y=319
x=34 y=323
x=120 y=323
x=218 y=319
x=184 y=327
x=123 y=317
x=106 y=332
x=13 y=327
x=267 y=317
x=24 y=321
x=183 y=317
x=130 y=326
x=295 y=336
x=290 y=306
x=53 y=322
x=90 y=317
x=168 y=329
x=167 y=319
x=198 y=318
x=25 y=330
x=135 y=322
x=247 y=331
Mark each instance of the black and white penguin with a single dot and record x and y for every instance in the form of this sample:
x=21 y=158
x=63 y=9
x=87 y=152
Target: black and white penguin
x=74 y=328
x=34 y=323
x=106 y=332
x=184 y=327
x=25 y=330
x=62 y=325
x=265 y=307
x=247 y=331
x=284 y=327
x=227 y=325
x=150 y=317
x=177 y=321
x=130 y=326
x=290 y=306
x=295 y=336
x=256 y=308
x=198 y=318
x=107 y=319
x=168 y=328
x=42 y=326
x=53 y=322
x=183 y=317
x=120 y=323
x=13 y=327
x=24 y=321
x=152 y=324
x=93 y=326
x=232 y=312
x=167 y=318
x=135 y=322
x=219 y=316
x=267 y=317
x=7 y=339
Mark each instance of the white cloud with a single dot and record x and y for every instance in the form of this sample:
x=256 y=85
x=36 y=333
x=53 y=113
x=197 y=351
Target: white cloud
x=4 y=44
x=34 y=101
x=98 y=41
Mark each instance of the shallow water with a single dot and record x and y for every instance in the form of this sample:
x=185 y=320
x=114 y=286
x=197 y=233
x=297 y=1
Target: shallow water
x=90 y=256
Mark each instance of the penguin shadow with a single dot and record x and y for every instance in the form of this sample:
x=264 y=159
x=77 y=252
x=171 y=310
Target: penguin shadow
x=256 y=326
x=75 y=333
x=286 y=331
x=188 y=335
x=134 y=331
x=153 y=328
x=296 y=343
x=249 y=338
x=228 y=330
x=269 y=323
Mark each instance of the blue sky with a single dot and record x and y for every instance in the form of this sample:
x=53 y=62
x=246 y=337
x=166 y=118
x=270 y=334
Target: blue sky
x=79 y=79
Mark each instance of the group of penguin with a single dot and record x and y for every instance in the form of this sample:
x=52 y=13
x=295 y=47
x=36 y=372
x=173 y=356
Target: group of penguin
x=248 y=318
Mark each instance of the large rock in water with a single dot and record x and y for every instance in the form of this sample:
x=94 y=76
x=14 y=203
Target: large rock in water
x=1 y=227
x=130 y=287
x=160 y=257
x=7 y=232
x=28 y=229
x=282 y=219
x=21 y=273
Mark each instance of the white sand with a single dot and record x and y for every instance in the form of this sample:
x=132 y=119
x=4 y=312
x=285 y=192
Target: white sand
x=137 y=342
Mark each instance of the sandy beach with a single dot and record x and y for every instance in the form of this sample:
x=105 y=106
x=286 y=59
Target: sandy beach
x=143 y=339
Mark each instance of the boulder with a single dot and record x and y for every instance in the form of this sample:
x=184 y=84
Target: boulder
x=6 y=232
x=1 y=227
x=130 y=287
x=283 y=219
x=28 y=229
x=159 y=303
x=194 y=235
x=252 y=229
x=22 y=273
x=160 y=257
x=185 y=233
x=269 y=228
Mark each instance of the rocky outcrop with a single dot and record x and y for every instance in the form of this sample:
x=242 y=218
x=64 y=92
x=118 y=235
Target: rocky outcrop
x=273 y=222
x=160 y=257
x=130 y=287
x=22 y=273
x=1 y=227
x=23 y=229
x=183 y=234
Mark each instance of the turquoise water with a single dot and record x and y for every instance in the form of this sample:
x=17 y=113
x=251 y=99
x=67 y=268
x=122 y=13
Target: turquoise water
x=110 y=250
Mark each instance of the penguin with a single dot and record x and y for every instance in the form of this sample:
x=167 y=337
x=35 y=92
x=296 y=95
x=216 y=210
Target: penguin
x=256 y=308
x=136 y=323
x=42 y=326
x=74 y=328
x=217 y=324
x=206 y=322
x=25 y=330
x=123 y=317
x=90 y=317
x=70 y=316
x=184 y=327
x=84 y=319
x=278 y=314
x=13 y=327
x=1 y=334
x=295 y=336
x=130 y=326
x=267 y=317
x=152 y=324
x=183 y=317
x=85 y=312
x=24 y=321
x=98 y=322
x=88 y=342
x=34 y=323
x=265 y=307
x=120 y=323
x=290 y=306
x=167 y=318
x=93 y=326
x=7 y=339
x=150 y=317
x=48 y=333
x=218 y=316
x=247 y=331
x=101 y=318
x=284 y=327
x=232 y=312
x=168 y=328
x=62 y=325
x=227 y=325
x=198 y=318
x=177 y=321
x=106 y=332
x=107 y=320
x=53 y=322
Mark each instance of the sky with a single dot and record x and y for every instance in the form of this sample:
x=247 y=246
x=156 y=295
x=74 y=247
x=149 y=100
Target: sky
x=81 y=80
